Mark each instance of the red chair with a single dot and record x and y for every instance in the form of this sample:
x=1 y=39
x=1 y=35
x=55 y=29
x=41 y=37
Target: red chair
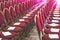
x=13 y=13
x=21 y=21
x=7 y=15
x=2 y=19
x=25 y=18
x=18 y=24
x=38 y=23
x=39 y=26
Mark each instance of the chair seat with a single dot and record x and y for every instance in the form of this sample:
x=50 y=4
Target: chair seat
x=3 y=39
x=51 y=37
x=7 y=34
x=52 y=31
x=53 y=21
x=54 y=18
x=26 y=17
x=57 y=15
x=31 y=15
x=22 y=20
x=12 y=29
x=53 y=25
x=17 y=24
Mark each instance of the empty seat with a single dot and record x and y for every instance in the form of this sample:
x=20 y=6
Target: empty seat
x=52 y=25
x=51 y=37
x=2 y=19
x=7 y=34
x=25 y=18
x=22 y=20
x=54 y=21
x=17 y=24
x=12 y=29
x=52 y=31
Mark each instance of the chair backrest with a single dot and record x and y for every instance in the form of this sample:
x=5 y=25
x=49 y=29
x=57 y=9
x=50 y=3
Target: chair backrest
x=2 y=6
x=12 y=11
x=24 y=6
x=10 y=3
x=28 y=3
x=20 y=7
x=7 y=14
x=38 y=23
x=41 y=19
x=2 y=19
x=17 y=10
x=15 y=2
x=6 y=4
